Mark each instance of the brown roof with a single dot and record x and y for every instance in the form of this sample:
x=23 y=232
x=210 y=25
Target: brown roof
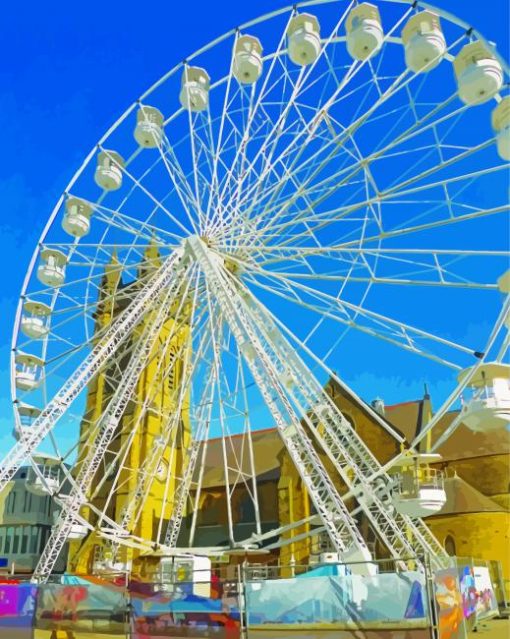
x=461 y=497
x=404 y=416
x=463 y=443
x=267 y=445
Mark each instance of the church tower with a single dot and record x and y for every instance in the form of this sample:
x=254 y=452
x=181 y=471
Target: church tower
x=149 y=422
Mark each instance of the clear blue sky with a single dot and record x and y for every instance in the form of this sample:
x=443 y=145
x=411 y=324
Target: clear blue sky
x=67 y=70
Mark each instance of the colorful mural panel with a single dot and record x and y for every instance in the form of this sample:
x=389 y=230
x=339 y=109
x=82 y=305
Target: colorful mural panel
x=358 y=600
x=179 y=613
x=486 y=603
x=449 y=605
x=371 y=603
x=82 y=605
x=469 y=595
x=17 y=609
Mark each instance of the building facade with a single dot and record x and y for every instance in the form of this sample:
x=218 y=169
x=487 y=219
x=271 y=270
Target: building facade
x=27 y=513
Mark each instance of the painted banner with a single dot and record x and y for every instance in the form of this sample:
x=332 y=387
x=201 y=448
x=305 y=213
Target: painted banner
x=82 y=606
x=469 y=595
x=17 y=609
x=17 y=602
x=486 y=603
x=350 y=599
x=449 y=604
x=182 y=614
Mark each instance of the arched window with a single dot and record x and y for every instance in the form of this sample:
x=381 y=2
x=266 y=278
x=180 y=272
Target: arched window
x=449 y=545
x=247 y=510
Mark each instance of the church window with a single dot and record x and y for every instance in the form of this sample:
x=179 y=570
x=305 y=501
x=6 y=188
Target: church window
x=449 y=545
x=246 y=510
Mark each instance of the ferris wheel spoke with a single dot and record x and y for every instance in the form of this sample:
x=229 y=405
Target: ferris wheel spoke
x=328 y=217
x=379 y=325
x=411 y=132
x=179 y=182
x=267 y=150
x=439 y=270
x=458 y=219
x=216 y=350
x=202 y=416
x=195 y=141
x=437 y=264
x=230 y=189
x=111 y=376
x=348 y=132
x=277 y=176
x=274 y=135
x=253 y=113
x=151 y=197
x=214 y=186
x=109 y=419
x=307 y=131
x=144 y=230
x=201 y=434
x=119 y=459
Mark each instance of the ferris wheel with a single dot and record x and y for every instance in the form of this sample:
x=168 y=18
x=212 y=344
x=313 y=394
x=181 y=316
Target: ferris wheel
x=319 y=194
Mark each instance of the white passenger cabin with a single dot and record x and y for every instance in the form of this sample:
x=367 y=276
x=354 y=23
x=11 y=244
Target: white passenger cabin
x=247 y=59
x=501 y=127
x=364 y=31
x=27 y=415
x=52 y=269
x=35 y=319
x=108 y=173
x=195 y=83
x=424 y=42
x=76 y=220
x=304 y=41
x=478 y=72
x=28 y=371
x=50 y=469
x=488 y=406
x=149 y=127
x=418 y=490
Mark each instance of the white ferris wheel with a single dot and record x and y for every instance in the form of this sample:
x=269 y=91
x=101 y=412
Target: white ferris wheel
x=319 y=193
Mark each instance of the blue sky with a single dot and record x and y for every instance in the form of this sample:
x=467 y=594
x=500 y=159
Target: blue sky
x=67 y=71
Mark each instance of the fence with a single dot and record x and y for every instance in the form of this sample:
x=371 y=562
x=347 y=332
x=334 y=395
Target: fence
x=330 y=598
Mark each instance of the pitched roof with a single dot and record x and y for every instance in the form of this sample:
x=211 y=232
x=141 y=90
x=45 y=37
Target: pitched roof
x=461 y=497
x=267 y=445
x=405 y=416
x=463 y=443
